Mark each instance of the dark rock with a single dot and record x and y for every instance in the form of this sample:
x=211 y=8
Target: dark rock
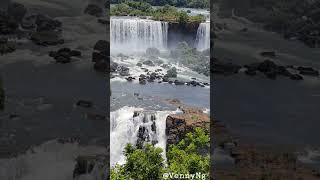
x=102 y=46
x=142 y=81
x=75 y=53
x=85 y=104
x=97 y=56
x=296 y=77
x=148 y=62
x=113 y=66
x=130 y=78
x=308 y=71
x=124 y=71
x=93 y=10
x=101 y=66
x=63 y=58
x=45 y=23
x=177 y=82
x=139 y=64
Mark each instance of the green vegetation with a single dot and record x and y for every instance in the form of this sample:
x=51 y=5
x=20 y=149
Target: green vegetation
x=192 y=58
x=165 y=13
x=177 y=3
x=189 y=156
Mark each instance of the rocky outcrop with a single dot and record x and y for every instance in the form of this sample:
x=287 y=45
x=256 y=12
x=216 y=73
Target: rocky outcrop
x=64 y=55
x=101 y=56
x=269 y=68
x=178 y=125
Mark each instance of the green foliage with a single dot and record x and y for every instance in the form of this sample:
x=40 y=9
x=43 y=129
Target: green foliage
x=146 y=163
x=190 y=155
x=165 y=13
x=177 y=3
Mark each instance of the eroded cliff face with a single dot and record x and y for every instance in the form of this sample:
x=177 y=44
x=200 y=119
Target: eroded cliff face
x=178 y=125
x=182 y=32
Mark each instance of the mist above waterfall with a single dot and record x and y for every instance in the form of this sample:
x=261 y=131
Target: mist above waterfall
x=136 y=35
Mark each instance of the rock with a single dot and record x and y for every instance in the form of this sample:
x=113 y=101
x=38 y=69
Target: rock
x=102 y=46
x=130 y=78
x=63 y=59
x=45 y=23
x=165 y=78
x=113 y=66
x=296 y=77
x=124 y=71
x=139 y=64
x=177 y=82
x=270 y=54
x=148 y=62
x=142 y=81
x=46 y=38
x=104 y=21
x=308 y=71
x=93 y=10
x=178 y=125
x=101 y=66
x=97 y=56
x=75 y=53
x=172 y=73
x=85 y=104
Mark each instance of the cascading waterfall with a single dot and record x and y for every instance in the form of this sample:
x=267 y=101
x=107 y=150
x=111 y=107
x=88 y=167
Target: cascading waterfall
x=134 y=34
x=136 y=126
x=203 y=36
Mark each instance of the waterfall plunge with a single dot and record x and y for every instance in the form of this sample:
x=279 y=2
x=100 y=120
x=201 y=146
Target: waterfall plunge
x=203 y=36
x=134 y=34
x=128 y=123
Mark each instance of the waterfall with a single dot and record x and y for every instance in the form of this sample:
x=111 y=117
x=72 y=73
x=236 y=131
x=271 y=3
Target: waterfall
x=203 y=36
x=134 y=34
x=136 y=126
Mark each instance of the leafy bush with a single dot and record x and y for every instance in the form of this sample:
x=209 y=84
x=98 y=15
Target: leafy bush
x=165 y=13
x=190 y=155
